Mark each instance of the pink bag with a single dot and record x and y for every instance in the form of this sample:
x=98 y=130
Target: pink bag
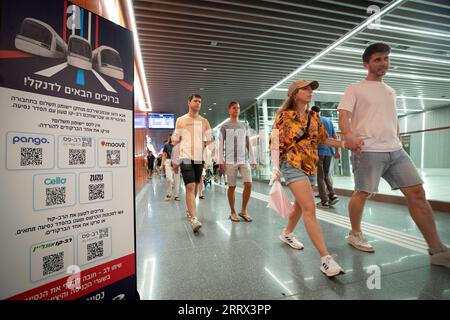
x=279 y=200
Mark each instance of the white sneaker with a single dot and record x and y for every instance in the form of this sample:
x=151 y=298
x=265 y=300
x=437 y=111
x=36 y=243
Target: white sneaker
x=330 y=267
x=195 y=224
x=167 y=198
x=358 y=241
x=176 y=198
x=291 y=240
x=441 y=258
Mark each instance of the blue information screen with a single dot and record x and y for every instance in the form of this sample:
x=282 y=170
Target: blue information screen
x=161 y=121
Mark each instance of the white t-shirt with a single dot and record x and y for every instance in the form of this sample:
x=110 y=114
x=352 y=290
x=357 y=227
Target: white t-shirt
x=193 y=134
x=374 y=115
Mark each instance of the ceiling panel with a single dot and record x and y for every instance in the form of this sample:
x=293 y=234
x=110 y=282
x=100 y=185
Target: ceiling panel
x=236 y=50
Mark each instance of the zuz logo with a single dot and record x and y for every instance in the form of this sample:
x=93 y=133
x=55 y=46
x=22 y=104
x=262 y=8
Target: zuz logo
x=113 y=144
x=34 y=140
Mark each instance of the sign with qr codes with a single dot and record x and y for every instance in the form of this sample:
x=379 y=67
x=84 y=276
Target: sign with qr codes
x=66 y=159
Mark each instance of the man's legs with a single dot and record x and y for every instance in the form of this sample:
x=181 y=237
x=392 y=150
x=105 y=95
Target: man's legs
x=367 y=171
x=356 y=208
x=231 y=173
x=191 y=177
x=244 y=169
x=169 y=177
x=176 y=185
x=190 y=198
x=321 y=174
x=328 y=179
x=422 y=214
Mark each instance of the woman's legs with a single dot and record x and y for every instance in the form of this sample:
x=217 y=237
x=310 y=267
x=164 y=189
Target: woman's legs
x=304 y=198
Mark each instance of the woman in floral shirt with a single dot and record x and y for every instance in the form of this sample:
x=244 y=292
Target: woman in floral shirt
x=296 y=135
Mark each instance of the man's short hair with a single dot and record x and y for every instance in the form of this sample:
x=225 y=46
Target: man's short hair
x=232 y=103
x=194 y=95
x=315 y=109
x=374 y=48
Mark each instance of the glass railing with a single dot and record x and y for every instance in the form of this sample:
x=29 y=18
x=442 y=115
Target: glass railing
x=428 y=150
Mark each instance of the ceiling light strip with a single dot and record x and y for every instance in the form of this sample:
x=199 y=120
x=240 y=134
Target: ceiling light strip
x=139 y=57
x=391 y=74
x=398 y=55
x=398 y=97
x=372 y=18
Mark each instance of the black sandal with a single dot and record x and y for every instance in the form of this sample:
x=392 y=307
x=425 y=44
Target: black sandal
x=246 y=217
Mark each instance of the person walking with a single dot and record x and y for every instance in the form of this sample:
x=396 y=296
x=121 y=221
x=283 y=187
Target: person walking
x=233 y=142
x=324 y=179
x=172 y=175
x=368 y=115
x=192 y=134
x=295 y=137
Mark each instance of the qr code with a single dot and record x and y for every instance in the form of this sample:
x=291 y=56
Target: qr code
x=104 y=233
x=112 y=157
x=55 y=196
x=31 y=156
x=77 y=156
x=96 y=191
x=95 y=250
x=86 y=142
x=53 y=263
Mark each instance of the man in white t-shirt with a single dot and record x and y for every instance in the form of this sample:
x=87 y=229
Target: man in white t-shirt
x=367 y=112
x=192 y=134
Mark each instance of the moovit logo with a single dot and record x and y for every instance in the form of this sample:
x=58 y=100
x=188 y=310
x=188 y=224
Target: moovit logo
x=28 y=139
x=104 y=143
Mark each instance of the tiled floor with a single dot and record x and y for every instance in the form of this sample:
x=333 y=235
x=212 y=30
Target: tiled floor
x=243 y=260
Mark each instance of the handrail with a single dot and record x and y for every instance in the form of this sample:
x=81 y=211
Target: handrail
x=425 y=130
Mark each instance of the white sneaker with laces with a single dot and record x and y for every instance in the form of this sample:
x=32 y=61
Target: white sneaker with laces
x=441 y=258
x=291 y=240
x=167 y=198
x=358 y=241
x=330 y=267
x=195 y=224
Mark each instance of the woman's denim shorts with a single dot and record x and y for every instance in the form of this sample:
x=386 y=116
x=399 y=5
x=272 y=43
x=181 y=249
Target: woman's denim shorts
x=292 y=174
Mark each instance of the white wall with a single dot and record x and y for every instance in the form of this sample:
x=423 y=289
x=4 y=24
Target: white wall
x=436 y=146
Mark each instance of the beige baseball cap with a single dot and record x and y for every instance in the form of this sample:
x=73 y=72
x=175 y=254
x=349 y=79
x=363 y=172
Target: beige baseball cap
x=297 y=84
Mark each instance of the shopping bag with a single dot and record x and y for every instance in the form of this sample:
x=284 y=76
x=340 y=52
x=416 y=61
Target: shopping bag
x=279 y=200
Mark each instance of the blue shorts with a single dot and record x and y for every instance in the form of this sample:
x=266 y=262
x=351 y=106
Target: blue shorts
x=292 y=174
x=395 y=167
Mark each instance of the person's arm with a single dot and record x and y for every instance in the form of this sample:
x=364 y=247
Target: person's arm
x=177 y=134
x=176 y=139
x=222 y=165
x=275 y=150
x=163 y=158
x=251 y=155
x=351 y=141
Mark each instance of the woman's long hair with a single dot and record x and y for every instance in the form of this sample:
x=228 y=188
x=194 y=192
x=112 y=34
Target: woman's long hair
x=289 y=103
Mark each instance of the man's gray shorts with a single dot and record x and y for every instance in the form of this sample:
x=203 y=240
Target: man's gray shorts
x=232 y=171
x=395 y=167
